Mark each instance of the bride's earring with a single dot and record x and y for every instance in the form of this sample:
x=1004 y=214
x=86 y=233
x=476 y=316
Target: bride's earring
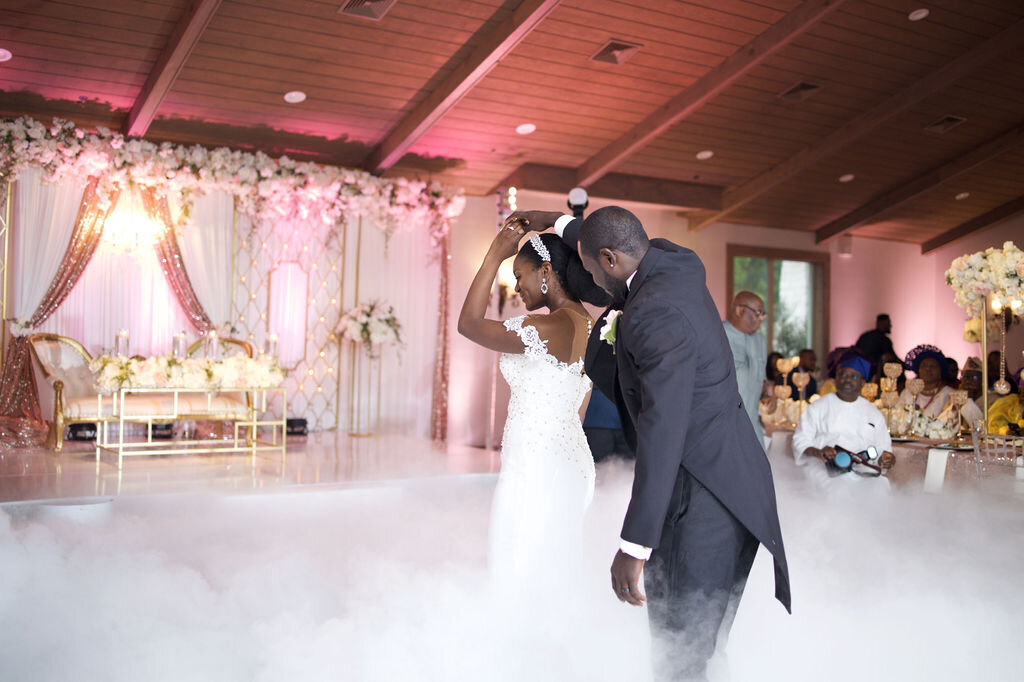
x=544 y=285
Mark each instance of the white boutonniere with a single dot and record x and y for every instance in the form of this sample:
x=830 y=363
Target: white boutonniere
x=611 y=325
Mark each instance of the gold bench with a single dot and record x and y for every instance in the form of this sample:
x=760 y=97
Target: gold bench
x=65 y=366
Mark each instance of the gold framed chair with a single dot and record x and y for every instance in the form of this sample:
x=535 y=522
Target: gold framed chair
x=63 y=365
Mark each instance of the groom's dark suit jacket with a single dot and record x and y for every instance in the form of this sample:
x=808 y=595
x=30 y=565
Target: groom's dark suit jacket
x=674 y=382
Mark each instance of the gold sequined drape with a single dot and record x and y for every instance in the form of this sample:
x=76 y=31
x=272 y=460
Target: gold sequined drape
x=439 y=408
x=171 y=263
x=19 y=396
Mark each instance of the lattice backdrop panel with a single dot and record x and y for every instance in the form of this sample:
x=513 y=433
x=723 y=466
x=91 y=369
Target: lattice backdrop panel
x=345 y=264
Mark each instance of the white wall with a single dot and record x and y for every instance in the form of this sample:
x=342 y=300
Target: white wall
x=889 y=277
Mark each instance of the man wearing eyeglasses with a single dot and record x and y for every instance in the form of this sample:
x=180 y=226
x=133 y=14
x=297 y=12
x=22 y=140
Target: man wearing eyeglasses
x=749 y=354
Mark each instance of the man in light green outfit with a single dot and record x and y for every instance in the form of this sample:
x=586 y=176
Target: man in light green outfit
x=749 y=352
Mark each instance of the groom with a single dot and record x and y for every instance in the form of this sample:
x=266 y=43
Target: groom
x=703 y=497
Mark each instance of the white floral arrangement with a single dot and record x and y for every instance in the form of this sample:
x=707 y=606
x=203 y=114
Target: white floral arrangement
x=20 y=327
x=372 y=325
x=907 y=421
x=165 y=371
x=992 y=271
x=936 y=428
x=266 y=188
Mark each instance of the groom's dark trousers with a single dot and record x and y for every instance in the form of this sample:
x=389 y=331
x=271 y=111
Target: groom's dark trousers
x=703 y=495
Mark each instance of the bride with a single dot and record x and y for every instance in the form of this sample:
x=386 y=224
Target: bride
x=547 y=471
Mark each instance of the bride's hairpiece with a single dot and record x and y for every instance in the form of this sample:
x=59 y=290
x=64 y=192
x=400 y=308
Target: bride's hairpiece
x=539 y=247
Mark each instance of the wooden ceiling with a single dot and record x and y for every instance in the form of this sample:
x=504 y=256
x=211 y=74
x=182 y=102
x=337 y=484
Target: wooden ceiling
x=438 y=88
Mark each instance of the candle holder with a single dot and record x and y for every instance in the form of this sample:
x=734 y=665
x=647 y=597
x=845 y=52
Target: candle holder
x=782 y=393
x=914 y=387
x=121 y=344
x=212 y=344
x=889 y=401
x=959 y=398
x=892 y=370
x=800 y=380
x=179 y=346
x=869 y=391
x=270 y=346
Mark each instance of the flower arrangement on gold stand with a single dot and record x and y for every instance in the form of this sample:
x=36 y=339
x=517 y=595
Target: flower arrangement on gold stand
x=370 y=325
x=990 y=278
x=367 y=328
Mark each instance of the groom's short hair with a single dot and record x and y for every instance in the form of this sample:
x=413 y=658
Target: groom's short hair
x=612 y=227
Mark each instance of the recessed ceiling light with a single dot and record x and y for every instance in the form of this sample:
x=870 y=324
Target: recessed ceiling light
x=525 y=128
x=705 y=154
x=5 y=55
x=847 y=177
x=295 y=96
x=962 y=196
x=918 y=14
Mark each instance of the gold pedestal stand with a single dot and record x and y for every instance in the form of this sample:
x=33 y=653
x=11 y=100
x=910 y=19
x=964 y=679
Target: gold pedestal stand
x=364 y=392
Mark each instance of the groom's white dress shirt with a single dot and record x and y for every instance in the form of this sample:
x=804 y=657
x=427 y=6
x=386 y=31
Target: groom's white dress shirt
x=631 y=548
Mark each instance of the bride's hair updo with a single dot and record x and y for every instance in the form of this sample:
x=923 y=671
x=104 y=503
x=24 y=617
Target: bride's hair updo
x=574 y=278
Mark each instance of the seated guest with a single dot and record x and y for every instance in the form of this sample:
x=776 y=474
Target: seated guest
x=808 y=362
x=993 y=371
x=970 y=381
x=1006 y=415
x=929 y=364
x=879 y=372
x=844 y=419
x=954 y=373
x=831 y=365
x=771 y=370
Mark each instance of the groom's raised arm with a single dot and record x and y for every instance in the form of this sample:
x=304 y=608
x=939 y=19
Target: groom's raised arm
x=661 y=346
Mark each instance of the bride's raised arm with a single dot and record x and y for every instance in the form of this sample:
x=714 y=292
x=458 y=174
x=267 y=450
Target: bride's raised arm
x=472 y=321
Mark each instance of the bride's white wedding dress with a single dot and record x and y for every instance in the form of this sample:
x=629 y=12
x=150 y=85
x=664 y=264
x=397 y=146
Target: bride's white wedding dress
x=547 y=471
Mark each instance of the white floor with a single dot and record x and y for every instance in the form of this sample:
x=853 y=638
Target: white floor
x=366 y=561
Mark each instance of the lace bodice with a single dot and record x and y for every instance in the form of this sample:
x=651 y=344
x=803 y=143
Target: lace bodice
x=542 y=387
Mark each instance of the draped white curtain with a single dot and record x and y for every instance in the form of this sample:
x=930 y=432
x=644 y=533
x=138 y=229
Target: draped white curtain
x=117 y=290
x=206 y=251
x=44 y=219
x=121 y=291
x=403 y=272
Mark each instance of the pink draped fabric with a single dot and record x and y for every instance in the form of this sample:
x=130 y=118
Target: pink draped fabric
x=19 y=396
x=171 y=264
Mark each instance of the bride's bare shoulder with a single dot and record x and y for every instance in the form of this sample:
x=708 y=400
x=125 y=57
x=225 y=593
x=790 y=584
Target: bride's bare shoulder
x=554 y=325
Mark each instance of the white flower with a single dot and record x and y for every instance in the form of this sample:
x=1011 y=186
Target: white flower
x=266 y=189
x=611 y=323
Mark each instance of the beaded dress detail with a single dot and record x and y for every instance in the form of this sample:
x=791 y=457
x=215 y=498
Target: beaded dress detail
x=547 y=470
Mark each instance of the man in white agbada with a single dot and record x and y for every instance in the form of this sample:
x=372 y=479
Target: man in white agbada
x=749 y=353
x=843 y=419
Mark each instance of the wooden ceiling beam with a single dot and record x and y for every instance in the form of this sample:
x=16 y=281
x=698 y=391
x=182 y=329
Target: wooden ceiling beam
x=493 y=47
x=895 y=196
x=707 y=87
x=617 y=187
x=179 y=46
x=1009 y=39
x=997 y=214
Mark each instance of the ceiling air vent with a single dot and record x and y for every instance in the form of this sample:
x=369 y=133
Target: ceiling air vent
x=944 y=124
x=367 y=9
x=799 y=92
x=616 y=51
